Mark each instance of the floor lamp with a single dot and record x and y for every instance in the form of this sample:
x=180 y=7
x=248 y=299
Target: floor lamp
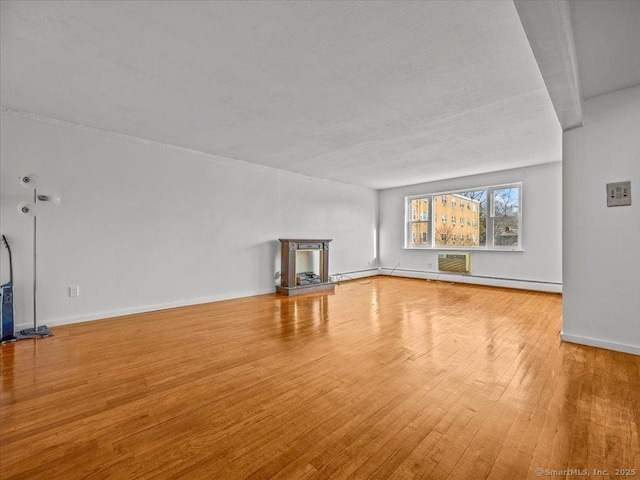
x=30 y=209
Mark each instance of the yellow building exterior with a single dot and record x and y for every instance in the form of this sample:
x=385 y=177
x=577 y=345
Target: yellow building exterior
x=456 y=221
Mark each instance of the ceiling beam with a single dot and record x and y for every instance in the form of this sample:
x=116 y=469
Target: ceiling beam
x=548 y=28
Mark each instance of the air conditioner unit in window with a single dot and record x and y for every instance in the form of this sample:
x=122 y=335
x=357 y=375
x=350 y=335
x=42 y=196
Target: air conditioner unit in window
x=454 y=262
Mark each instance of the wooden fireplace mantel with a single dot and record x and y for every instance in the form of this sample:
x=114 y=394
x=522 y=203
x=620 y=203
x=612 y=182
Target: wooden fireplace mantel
x=288 y=248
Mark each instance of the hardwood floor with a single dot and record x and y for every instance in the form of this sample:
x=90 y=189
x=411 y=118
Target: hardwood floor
x=397 y=378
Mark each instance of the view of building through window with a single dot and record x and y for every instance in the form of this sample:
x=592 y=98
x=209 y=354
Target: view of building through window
x=420 y=221
x=459 y=225
x=488 y=217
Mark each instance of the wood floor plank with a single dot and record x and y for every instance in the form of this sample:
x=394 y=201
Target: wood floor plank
x=397 y=378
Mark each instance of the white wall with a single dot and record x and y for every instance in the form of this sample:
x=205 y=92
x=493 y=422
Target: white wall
x=601 y=250
x=144 y=226
x=539 y=266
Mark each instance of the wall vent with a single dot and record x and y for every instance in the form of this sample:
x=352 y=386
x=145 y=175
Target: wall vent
x=454 y=262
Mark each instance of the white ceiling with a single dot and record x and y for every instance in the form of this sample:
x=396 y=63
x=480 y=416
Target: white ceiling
x=378 y=94
x=607 y=39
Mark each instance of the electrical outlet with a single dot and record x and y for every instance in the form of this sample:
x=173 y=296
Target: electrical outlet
x=618 y=194
x=277 y=275
x=74 y=291
x=430 y=265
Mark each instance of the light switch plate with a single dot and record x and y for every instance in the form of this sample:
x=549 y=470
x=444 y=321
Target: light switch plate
x=618 y=194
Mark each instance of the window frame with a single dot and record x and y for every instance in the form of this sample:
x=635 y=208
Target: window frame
x=489 y=219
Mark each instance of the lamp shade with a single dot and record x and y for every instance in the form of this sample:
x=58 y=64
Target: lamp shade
x=27 y=208
x=56 y=199
x=29 y=181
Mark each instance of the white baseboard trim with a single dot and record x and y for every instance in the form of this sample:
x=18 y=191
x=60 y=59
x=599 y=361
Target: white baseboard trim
x=53 y=322
x=592 y=342
x=344 y=276
x=475 y=280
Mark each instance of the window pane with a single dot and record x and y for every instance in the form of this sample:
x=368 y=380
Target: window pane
x=419 y=234
x=419 y=218
x=473 y=226
x=467 y=231
x=420 y=209
x=506 y=209
x=505 y=231
x=506 y=201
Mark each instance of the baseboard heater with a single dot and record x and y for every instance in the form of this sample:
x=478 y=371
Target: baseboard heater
x=454 y=262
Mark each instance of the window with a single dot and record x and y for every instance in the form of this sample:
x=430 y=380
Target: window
x=493 y=219
x=419 y=224
x=505 y=216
